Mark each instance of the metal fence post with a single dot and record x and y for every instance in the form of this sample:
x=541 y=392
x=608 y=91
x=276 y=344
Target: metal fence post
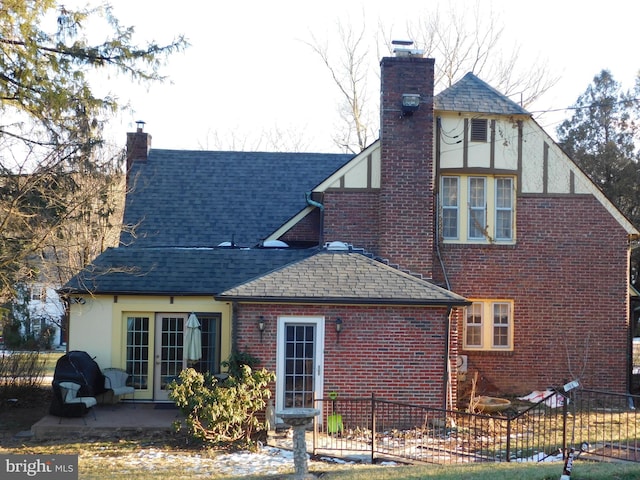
x=373 y=426
x=565 y=413
x=508 y=438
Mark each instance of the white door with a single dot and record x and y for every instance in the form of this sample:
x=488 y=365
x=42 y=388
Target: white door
x=169 y=357
x=300 y=361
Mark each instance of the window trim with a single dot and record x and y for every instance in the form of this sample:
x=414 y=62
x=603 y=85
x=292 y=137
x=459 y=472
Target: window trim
x=488 y=325
x=490 y=212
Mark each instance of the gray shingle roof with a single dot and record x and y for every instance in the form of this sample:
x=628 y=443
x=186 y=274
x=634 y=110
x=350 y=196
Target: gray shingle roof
x=470 y=94
x=178 y=271
x=202 y=198
x=340 y=277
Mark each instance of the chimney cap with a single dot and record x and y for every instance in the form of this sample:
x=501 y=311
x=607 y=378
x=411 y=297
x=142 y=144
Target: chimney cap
x=140 y=125
x=404 y=51
x=402 y=42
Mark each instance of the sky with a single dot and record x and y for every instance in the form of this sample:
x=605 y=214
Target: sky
x=250 y=70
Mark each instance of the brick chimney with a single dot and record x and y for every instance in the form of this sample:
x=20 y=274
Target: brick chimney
x=138 y=145
x=407 y=171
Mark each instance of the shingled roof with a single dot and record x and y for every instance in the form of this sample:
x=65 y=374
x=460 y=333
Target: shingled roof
x=339 y=278
x=178 y=271
x=470 y=94
x=202 y=198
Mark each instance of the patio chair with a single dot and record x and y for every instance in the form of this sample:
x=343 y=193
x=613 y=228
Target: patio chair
x=115 y=379
x=72 y=404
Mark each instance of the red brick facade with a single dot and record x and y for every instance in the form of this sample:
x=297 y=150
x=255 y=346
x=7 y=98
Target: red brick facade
x=406 y=186
x=567 y=279
x=353 y=216
x=566 y=275
x=395 y=352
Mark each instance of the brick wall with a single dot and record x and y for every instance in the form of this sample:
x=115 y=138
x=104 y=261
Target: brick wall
x=307 y=231
x=352 y=216
x=395 y=352
x=406 y=200
x=567 y=277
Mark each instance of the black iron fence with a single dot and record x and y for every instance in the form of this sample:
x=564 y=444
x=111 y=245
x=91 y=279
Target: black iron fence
x=601 y=424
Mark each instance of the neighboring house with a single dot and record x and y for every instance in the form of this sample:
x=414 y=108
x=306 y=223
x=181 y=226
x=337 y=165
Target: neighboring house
x=46 y=310
x=40 y=311
x=464 y=230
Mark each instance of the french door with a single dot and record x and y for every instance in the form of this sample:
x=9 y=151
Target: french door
x=300 y=361
x=169 y=355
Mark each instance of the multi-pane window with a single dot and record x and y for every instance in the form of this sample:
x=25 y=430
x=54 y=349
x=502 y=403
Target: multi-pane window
x=138 y=351
x=450 y=206
x=488 y=325
x=473 y=325
x=38 y=293
x=299 y=365
x=504 y=208
x=210 y=328
x=501 y=315
x=477 y=208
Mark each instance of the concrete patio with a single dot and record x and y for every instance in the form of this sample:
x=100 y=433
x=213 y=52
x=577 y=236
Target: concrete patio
x=123 y=418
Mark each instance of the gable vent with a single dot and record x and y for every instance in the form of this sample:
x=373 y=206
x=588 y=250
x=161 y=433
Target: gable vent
x=479 y=129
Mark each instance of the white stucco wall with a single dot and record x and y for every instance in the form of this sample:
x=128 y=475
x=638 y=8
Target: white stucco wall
x=99 y=326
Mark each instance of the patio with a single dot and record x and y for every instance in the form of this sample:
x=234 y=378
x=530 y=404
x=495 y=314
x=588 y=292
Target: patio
x=123 y=418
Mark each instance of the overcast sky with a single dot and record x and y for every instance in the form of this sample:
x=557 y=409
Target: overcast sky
x=249 y=70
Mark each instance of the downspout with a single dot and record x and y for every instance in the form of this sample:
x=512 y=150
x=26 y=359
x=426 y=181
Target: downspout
x=234 y=327
x=447 y=363
x=437 y=242
x=313 y=203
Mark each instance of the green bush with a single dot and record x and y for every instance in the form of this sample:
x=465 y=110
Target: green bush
x=222 y=412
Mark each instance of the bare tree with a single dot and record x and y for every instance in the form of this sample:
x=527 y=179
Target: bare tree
x=276 y=139
x=460 y=41
x=350 y=70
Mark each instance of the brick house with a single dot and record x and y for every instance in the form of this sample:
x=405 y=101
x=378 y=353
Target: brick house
x=463 y=232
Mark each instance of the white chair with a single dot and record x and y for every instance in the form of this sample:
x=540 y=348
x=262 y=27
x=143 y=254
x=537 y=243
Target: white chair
x=115 y=379
x=69 y=392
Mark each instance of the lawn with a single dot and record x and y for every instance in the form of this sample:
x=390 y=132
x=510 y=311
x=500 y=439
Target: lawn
x=50 y=359
x=168 y=456
x=146 y=459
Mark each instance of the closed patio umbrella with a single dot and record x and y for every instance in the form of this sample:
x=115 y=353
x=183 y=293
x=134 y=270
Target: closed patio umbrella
x=193 y=340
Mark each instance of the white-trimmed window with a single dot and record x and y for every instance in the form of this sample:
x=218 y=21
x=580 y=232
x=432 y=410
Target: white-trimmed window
x=488 y=325
x=477 y=208
x=38 y=293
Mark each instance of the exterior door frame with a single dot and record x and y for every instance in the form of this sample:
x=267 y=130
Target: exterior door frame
x=159 y=393
x=318 y=377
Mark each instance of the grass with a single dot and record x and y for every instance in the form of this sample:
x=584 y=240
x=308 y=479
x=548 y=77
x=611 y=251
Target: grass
x=147 y=458
x=50 y=359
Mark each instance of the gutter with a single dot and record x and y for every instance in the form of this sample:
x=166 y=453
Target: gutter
x=344 y=301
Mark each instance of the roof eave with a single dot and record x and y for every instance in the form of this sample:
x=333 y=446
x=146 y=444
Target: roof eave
x=343 y=301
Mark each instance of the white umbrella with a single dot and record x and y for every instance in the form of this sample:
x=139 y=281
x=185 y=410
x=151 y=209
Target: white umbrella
x=193 y=340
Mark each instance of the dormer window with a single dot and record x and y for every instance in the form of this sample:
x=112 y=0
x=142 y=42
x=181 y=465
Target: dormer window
x=479 y=129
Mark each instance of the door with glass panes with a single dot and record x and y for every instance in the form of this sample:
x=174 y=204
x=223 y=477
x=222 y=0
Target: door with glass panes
x=169 y=352
x=300 y=361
